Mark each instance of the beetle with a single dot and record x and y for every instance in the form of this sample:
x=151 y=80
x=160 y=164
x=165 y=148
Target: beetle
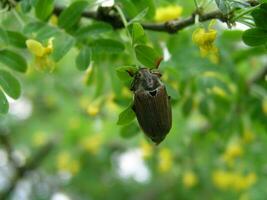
x=151 y=104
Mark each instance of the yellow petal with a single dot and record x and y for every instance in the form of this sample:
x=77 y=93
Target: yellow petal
x=168 y=13
x=35 y=47
x=49 y=47
x=189 y=179
x=165 y=160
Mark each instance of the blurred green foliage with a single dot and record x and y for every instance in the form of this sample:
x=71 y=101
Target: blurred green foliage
x=72 y=94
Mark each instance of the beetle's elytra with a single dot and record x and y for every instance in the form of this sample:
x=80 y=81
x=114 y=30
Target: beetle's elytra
x=151 y=104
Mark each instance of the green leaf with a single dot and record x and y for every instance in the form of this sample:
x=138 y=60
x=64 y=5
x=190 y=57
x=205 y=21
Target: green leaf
x=223 y=6
x=26 y=5
x=32 y=27
x=107 y=46
x=260 y=17
x=9 y=84
x=43 y=9
x=46 y=32
x=4 y=41
x=123 y=74
x=126 y=116
x=83 y=58
x=128 y=7
x=3 y=103
x=13 y=60
x=94 y=29
x=244 y=54
x=129 y=130
x=71 y=15
x=204 y=107
x=187 y=106
x=172 y=92
x=40 y=30
x=17 y=39
x=143 y=4
x=147 y=56
x=138 y=34
x=139 y=17
x=62 y=44
x=99 y=81
x=255 y=37
x=264 y=4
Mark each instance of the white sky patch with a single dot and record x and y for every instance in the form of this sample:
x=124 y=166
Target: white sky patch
x=21 y=108
x=23 y=190
x=132 y=165
x=241 y=27
x=166 y=53
x=106 y=3
x=60 y=196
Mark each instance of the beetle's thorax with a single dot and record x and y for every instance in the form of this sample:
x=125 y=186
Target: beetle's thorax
x=146 y=80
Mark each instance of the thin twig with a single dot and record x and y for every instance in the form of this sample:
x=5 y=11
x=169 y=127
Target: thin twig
x=103 y=14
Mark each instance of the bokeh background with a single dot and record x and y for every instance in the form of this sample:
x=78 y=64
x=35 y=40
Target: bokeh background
x=60 y=140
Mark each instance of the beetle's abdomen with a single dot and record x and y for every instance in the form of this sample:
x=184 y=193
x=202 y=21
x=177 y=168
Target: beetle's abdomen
x=153 y=112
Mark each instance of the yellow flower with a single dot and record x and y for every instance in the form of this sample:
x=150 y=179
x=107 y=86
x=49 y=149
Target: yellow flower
x=94 y=107
x=243 y=182
x=39 y=138
x=165 y=160
x=204 y=39
x=147 y=149
x=190 y=179
x=65 y=163
x=41 y=54
x=92 y=144
x=264 y=106
x=93 y=110
x=171 y=12
x=234 y=181
x=222 y=179
x=232 y=151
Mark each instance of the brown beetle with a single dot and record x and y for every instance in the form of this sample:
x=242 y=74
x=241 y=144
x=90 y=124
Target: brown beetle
x=151 y=104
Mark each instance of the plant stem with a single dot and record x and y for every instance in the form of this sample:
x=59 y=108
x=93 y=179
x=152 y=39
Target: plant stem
x=125 y=23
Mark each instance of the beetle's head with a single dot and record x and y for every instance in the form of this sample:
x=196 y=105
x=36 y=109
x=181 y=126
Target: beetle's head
x=147 y=80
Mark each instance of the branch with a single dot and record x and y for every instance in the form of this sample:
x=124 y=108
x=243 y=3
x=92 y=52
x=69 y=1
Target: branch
x=104 y=14
x=5 y=140
x=31 y=165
